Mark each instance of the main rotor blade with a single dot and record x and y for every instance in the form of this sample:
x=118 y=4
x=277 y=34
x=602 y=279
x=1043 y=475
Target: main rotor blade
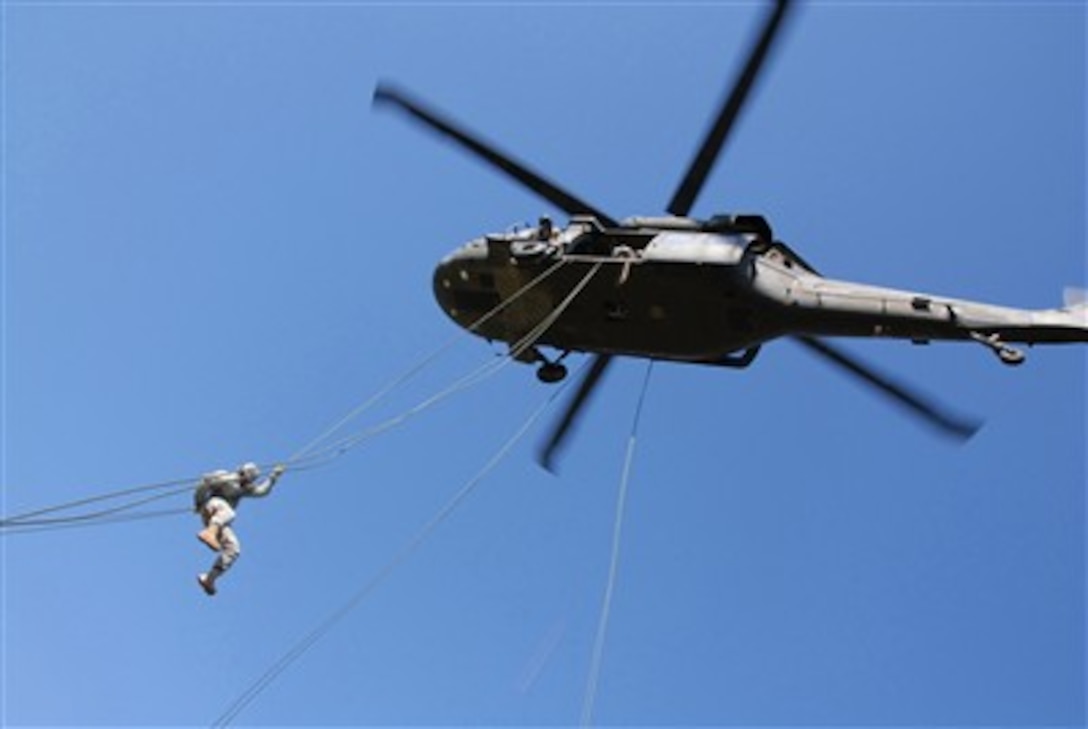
x=551 y=192
x=546 y=455
x=929 y=412
x=700 y=167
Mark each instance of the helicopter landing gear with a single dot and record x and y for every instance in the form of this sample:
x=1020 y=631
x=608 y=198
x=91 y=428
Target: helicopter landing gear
x=1008 y=355
x=551 y=372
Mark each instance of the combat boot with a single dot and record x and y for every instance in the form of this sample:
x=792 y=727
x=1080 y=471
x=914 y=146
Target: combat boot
x=207 y=582
x=210 y=536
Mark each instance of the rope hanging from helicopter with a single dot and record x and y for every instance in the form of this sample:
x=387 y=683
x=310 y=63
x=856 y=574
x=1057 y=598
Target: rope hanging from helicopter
x=319 y=452
x=418 y=367
x=313 y=455
x=593 y=680
x=307 y=641
x=311 y=638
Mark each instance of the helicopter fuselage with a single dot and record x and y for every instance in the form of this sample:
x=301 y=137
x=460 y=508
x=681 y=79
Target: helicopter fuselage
x=710 y=292
x=686 y=290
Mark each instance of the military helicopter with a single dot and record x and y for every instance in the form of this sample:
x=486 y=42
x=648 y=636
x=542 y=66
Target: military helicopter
x=679 y=289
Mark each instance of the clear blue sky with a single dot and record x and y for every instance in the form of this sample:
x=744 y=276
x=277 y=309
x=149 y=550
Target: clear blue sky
x=213 y=248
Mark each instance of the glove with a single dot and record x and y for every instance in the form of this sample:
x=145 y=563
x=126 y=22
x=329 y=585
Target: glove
x=278 y=470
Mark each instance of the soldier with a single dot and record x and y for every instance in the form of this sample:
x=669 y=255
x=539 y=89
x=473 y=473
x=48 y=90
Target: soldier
x=545 y=230
x=216 y=499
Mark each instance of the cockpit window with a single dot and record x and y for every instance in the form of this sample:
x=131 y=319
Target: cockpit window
x=599 y=243
x=591 y=243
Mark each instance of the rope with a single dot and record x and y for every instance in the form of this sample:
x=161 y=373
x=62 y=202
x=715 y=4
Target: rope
x=422 y=364
x=102 y=520
x=296 y=652
x=34 y=521
x=93 y=499
x=613 y=567
x=484 y=372
x=95 y=515
x=31 y=520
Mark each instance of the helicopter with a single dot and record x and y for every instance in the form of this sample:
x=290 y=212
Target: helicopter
x=679 y=289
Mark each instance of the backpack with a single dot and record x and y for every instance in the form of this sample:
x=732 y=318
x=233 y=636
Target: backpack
x=210 y=486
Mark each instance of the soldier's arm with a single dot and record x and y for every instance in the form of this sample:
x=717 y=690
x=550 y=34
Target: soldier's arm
x=264 y=486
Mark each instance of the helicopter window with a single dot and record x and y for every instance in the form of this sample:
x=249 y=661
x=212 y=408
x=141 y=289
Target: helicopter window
x=597 y=243
x=589 y=244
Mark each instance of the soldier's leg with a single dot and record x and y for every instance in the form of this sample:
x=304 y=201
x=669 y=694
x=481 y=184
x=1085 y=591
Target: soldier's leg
x=217 y=514
x=231 y=549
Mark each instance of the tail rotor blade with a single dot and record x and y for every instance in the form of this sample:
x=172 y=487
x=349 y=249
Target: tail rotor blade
x=565 y=201
x=707 y=154
x=546 y=455
x=930 y=413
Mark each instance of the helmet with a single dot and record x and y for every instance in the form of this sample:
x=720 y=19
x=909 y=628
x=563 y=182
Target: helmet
x=249 y=471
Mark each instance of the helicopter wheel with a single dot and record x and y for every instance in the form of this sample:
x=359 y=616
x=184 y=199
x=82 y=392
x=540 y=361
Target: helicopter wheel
x=551 y=372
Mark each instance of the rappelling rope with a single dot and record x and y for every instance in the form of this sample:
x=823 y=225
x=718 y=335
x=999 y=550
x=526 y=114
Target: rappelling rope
x=336 y=449
x=311 y=638
x=296 y=652
x=39 y=521
x=613 y=566
x=91 y=500
x=309 y=456
x=102 y=518
x=422 y=364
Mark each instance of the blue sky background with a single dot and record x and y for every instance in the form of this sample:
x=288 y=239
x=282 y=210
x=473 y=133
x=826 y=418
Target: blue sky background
x=213 y=248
